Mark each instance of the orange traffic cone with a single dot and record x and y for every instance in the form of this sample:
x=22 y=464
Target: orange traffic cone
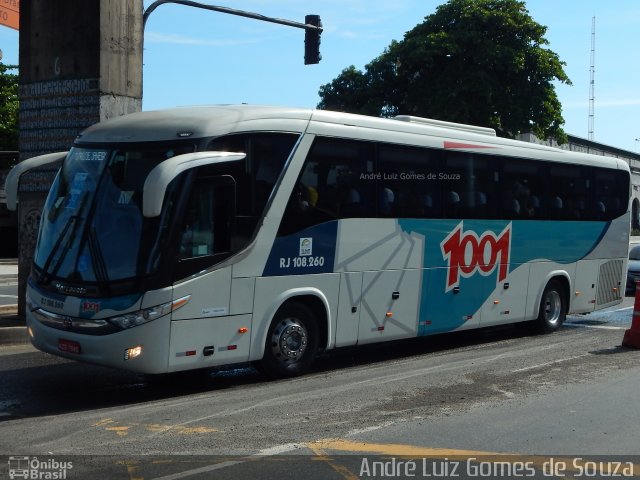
x=632 y=336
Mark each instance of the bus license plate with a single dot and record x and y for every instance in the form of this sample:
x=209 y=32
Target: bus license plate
x=69 y=346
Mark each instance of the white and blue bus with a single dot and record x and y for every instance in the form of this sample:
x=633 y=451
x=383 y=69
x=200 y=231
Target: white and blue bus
x=197 y=237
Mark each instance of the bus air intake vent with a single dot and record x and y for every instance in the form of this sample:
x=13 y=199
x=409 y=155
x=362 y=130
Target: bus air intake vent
x=609 y=286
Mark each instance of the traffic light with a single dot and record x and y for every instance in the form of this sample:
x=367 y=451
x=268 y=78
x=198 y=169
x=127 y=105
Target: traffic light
x=312 y=40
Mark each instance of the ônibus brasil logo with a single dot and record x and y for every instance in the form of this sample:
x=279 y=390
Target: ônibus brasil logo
x=468 y=254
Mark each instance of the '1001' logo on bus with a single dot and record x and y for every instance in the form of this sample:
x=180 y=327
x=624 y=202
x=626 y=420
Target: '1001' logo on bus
x=468 y=254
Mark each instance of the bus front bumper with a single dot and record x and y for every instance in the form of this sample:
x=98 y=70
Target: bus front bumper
x=141 y=349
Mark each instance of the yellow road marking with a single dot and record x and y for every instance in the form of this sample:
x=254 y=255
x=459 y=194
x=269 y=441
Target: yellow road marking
x=399 y=450
x=571 y=464
x=323 y=457
x=110 y=425
x=120 y=431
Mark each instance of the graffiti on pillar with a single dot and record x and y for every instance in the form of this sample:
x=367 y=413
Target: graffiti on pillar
x=29 y=224
x=30 y=208
x=54 y=112
x=37 y=180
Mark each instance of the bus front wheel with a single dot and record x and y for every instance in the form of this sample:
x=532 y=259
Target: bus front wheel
x=292 y=342
x=553 y=307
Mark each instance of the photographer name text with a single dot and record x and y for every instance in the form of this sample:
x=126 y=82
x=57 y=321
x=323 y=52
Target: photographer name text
x=475 y=467
x=431 y=176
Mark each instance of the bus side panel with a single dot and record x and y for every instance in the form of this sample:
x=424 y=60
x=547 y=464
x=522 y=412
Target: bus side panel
x=583 y=297
x=210 y=295
x=507 y=303
x=206 y=342
x=377 y=244
x=242 y=293
x=348 y=317
x=444 y=310
x=390 y=302
x=391 y=261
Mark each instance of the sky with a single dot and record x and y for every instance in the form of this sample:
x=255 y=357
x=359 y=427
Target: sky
x=194 y=56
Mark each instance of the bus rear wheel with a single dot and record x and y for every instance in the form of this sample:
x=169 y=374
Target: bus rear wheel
x=553 y=307
x=292 y=342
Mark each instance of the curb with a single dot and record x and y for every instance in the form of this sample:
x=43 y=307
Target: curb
x=13 y=330
x=14 y=336
x=9 y=309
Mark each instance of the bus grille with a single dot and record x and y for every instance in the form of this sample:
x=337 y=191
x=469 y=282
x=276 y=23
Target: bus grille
x=609 y=286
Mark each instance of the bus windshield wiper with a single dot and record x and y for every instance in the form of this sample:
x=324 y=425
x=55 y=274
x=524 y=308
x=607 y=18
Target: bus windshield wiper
x=97 y=260
x=72 y=224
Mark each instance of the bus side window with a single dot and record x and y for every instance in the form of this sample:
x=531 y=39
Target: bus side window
x=611 y=194
x=405 y=188
x=197 y=232
x=521 y=189
x=207 y=227
x=333 y=185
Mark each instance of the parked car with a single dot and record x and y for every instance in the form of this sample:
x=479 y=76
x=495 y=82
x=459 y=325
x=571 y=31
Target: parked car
x=633 y=270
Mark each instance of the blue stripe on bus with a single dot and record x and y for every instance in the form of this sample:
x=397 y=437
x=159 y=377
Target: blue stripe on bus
x=311 y=250
x=554 y=241
x=560 y=242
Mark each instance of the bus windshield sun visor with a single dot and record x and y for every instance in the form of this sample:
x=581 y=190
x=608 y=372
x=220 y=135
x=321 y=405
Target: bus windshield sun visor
x=155 y=186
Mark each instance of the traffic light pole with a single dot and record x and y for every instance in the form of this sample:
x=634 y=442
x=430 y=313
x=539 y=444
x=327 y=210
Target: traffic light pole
x=312 y=30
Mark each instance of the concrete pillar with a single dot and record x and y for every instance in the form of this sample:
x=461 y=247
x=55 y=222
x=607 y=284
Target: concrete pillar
x=80 y=63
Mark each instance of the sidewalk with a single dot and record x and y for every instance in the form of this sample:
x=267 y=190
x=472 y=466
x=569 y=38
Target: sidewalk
x=12 y=328
x=8 y=271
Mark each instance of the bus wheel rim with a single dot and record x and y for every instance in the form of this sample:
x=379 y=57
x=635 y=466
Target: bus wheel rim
x=552 y=307
x=289 y=340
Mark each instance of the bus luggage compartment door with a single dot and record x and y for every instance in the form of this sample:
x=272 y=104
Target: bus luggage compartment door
x=389 y=307
x=507 y=303
x=349 y=306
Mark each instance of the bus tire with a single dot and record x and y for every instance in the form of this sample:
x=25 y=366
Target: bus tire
x=553 y=307
x=292 y=342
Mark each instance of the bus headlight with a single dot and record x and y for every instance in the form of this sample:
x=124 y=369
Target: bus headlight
x=133 y=319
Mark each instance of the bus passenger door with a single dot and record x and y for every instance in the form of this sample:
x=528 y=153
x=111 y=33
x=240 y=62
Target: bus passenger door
x=389 y=308
x=348 y=317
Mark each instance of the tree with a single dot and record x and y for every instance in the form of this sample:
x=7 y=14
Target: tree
x=481 y=62
x=8 y=108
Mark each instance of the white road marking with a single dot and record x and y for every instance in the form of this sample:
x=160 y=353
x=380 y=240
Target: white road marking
x=278 y=449
x=547 y=364
x=196 y=471
x=597 y=327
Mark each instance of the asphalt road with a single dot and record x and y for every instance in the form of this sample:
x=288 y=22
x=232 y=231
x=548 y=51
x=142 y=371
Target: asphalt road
x=484 y=393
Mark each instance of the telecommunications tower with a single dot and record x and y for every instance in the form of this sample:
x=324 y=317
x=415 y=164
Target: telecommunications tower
x=592 y=72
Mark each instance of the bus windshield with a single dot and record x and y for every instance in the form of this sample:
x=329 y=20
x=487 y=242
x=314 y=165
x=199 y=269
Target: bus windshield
x=93 y=229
